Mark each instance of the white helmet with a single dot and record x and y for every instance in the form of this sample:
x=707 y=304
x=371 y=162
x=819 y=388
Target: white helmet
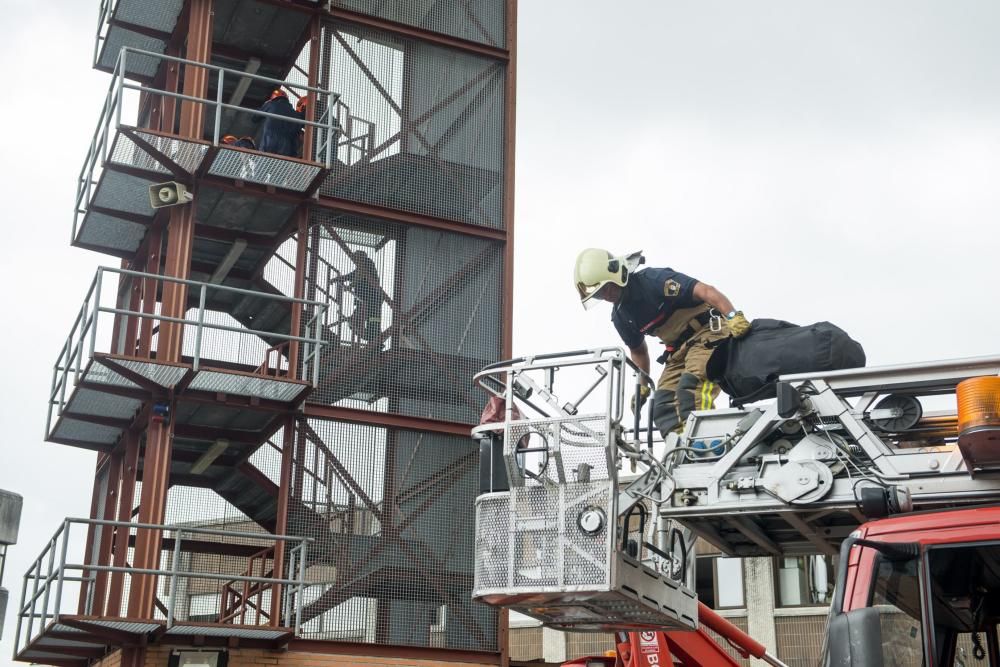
x=595 y=268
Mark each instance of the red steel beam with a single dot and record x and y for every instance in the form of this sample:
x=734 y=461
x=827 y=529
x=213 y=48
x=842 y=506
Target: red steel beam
x=426 y=36
x=507 y=326
x=281 y=518
x=152 y=510
x=385 y=420
x=510 y=130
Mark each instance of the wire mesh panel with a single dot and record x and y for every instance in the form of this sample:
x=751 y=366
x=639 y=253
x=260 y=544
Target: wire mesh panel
x=531 y=538
x=422 y=126
x=480 y=21
x=580 y=644
x=390 y=513
x=800 y=639
x=526 y=643
x=212 y=600
x=412 y=315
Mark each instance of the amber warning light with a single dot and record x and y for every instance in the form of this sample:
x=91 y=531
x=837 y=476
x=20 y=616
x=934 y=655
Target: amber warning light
x=979 y=422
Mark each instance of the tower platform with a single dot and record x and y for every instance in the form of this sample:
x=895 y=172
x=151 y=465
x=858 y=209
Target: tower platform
x=109 y=367
x=55 y=629
x=238 y=191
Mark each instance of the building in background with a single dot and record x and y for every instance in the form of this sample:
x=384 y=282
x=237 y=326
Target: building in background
x=10 y=522
x=307 y=210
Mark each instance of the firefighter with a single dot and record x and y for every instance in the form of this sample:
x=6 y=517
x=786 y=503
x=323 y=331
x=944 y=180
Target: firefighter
x=239 y=142
x=279 y=136
x=688 y=316
x=366 y=320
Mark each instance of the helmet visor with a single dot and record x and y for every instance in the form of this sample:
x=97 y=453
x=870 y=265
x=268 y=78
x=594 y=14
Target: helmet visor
x=589 y=294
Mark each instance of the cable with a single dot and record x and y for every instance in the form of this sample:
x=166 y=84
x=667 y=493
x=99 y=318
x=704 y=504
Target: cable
x=676 y=535
x=978 y=652
x=628 y=519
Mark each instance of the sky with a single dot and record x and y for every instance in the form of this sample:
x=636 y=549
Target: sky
x=814 y=160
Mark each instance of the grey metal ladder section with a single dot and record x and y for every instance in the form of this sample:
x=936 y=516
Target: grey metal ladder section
x=744 y=501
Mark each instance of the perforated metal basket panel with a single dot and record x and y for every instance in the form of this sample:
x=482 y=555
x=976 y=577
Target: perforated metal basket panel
x=571 y=442
x=263 y=169
x=423 y=125
x=585 y=556
x=411 y=342
x=480 y=21
x=493 y=541
x=532 y=542
x=391 y=512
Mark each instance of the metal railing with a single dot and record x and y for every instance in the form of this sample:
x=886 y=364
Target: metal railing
x=104 y=15
x=327 y=126
x=81 y=343
x=359 y=147
x=566 y=385
x=44 y=596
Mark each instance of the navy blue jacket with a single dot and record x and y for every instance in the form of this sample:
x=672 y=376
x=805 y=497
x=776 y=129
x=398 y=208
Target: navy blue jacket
x=280 y=136
x=649 y=299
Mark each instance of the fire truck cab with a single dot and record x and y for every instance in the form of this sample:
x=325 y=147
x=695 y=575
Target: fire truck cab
x=919 y=590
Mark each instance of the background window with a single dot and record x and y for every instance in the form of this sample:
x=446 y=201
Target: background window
x=719 y=582
x=804 y=581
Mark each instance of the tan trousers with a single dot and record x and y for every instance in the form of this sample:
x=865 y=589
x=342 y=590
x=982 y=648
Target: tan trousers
x=683 y=386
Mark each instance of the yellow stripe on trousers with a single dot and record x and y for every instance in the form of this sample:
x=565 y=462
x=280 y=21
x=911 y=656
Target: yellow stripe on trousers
x=706 y=395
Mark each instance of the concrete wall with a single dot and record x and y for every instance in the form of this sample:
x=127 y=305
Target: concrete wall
x=10 y=521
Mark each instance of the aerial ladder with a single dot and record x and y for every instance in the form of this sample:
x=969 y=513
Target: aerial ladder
x=587 y=518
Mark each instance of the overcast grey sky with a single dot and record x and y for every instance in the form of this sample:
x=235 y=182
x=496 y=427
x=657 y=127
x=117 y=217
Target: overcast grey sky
x=812 y=159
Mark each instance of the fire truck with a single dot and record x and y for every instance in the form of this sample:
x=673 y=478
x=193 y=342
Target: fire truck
x=588 y=518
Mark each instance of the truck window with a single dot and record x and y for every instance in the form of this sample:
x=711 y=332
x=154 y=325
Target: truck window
x=965 y=650
x=896 y=594
x=965 y=600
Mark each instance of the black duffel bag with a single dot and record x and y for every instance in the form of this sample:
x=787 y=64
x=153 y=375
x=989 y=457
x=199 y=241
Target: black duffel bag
x=748 y=368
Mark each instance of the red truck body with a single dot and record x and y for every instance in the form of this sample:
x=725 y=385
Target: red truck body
x=954 y=588
x=963 y=526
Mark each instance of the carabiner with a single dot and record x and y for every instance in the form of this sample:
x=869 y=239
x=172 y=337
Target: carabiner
x=714 y=320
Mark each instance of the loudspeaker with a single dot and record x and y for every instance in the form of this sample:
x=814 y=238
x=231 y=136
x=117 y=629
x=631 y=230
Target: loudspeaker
x=170 y=193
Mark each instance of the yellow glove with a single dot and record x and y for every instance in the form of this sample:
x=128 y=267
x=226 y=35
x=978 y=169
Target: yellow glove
x=639 y=399
x=738 y=325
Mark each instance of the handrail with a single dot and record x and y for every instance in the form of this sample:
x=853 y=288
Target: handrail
x=47 y=575
x=503 y=380
x=103 y=15
x=83 y=333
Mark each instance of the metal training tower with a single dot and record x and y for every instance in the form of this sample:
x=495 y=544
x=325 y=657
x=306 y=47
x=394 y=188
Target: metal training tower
x=277 y=370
